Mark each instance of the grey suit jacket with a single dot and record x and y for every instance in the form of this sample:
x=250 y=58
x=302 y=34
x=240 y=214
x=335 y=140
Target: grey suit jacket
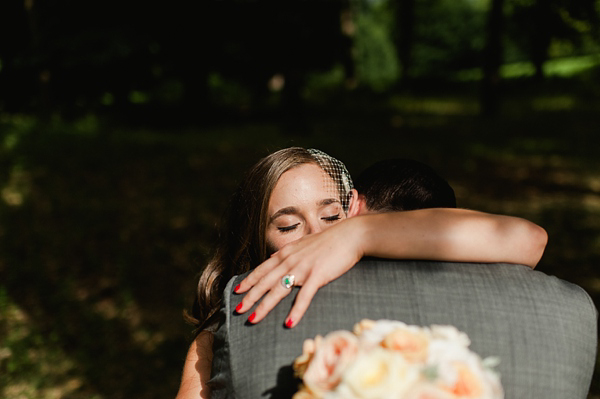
x=542 y=328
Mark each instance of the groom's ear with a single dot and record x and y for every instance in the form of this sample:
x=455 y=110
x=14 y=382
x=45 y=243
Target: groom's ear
x=354 y=206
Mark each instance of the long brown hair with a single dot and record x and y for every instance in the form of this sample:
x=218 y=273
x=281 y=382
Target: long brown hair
x=242 y=240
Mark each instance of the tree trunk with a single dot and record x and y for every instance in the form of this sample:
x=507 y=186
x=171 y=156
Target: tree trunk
x=348 y=31
x=405 y=27
x=42 y=71
x=540 y=40
x=492 y=60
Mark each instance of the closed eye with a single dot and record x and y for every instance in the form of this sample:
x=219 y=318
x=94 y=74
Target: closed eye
x=331 y=219
x=286 y=229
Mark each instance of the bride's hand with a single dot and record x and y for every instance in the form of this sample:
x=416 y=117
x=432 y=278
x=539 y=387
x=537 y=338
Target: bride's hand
x=314 y=260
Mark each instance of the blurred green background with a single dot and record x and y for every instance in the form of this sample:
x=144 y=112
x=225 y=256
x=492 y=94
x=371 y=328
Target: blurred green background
x=125 y=126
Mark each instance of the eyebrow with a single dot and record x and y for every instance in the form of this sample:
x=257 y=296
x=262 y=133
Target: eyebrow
x=292 y=210
x=328 y=201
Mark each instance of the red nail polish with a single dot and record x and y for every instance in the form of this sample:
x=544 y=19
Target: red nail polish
x=289 y=323
x=252 y=316
x=236 y=289
x=239 y=307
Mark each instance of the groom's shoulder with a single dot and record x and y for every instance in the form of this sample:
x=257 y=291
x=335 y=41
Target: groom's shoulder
x=388 y=274
x=507 y=310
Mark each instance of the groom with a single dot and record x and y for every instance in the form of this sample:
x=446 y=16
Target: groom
x=402 y=185
x=542 y=328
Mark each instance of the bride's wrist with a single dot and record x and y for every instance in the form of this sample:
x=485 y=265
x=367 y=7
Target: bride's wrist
x=360 y=235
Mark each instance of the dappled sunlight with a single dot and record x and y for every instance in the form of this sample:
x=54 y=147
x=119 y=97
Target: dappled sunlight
x=45 y=371
x=517 y=70
x=594 y=183
x=434 y=105
x=554 y=103
x=570 y=66
x=591 y=202
x=130 y=315
x=558 y=67
x=16 y=190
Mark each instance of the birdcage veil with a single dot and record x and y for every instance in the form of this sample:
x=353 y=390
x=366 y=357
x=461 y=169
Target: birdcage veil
x=340 y=177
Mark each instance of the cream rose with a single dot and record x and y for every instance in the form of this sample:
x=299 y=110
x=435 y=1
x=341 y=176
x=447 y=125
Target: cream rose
x=450 y=334
x=380 y=373
x=363 y=325
x=336 y=351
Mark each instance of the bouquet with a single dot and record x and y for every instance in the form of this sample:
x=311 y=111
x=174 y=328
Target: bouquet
x=390 y=359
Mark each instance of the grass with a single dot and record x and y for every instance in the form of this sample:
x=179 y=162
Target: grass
x=104 y=226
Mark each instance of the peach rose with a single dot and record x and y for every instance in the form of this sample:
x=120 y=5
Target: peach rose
x=427 y=391
x=413 y=345
x=462 y=372
x=309 y=348
x=331 y=358
x=467 y=384
x=473 y=381
x=372 y=333
x=304 y=393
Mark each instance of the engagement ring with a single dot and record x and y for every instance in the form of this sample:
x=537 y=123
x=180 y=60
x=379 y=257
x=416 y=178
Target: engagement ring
x=288 y=281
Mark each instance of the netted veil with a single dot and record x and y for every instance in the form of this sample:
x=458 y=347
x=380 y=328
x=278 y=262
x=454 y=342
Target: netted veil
x=340 y=177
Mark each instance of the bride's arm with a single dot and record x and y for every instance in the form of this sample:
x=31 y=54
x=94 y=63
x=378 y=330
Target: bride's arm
x=196 y=371
x=434 y=234
x=449 y=235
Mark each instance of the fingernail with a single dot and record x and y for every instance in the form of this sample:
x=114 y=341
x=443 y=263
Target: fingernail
x=289 y=323
x=239 y=307
x=236 y=289
x=252 y=316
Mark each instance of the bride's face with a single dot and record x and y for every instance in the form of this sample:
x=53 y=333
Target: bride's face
x=304 y=201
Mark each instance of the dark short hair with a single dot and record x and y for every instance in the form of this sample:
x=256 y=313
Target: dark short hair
x=403 y=185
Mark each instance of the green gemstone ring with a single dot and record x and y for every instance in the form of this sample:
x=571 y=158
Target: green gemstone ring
x=288 y=281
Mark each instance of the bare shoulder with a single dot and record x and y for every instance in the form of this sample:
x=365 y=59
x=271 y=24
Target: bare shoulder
x=202 y=345
x=196 y=370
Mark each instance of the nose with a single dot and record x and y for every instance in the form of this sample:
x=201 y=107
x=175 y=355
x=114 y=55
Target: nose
x=313 y=226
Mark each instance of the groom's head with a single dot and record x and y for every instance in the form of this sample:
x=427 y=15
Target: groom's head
x=402 y=185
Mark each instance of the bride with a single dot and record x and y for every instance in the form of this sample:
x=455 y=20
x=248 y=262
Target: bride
x=292 y=214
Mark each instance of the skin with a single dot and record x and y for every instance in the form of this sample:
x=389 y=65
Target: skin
x=196 y=370
x=306 y=231
x=302 y=203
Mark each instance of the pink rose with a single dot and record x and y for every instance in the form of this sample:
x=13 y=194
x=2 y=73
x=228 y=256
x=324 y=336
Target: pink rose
x=331 y=358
